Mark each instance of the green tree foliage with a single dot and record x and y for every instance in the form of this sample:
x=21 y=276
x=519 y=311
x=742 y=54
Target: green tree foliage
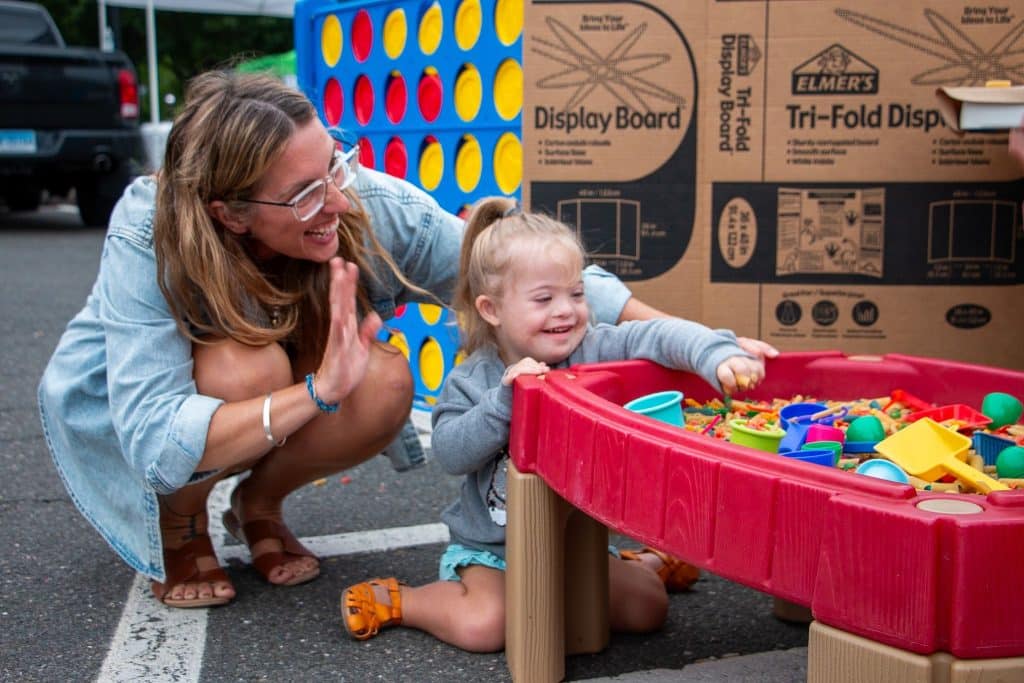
x=187 y=42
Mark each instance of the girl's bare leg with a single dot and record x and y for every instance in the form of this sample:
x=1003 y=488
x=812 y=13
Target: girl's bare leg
x=469 y=614
x=638 y=602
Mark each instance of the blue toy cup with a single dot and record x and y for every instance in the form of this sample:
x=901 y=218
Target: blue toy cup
x=820 y=456
x=833 y=447
x=798 y=410
x=665 y=406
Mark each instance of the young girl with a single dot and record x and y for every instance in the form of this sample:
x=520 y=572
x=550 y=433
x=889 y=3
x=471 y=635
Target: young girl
x=521 y=311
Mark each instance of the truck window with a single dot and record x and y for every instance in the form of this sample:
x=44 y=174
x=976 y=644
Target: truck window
x=25 y=28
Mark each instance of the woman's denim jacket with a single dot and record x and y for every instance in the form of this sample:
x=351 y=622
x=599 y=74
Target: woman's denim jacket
x=118 y=403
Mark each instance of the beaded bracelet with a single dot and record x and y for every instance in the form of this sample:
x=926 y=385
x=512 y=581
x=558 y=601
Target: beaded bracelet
x=320 y=403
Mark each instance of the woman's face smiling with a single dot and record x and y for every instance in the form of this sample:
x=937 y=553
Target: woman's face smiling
x=275 y=229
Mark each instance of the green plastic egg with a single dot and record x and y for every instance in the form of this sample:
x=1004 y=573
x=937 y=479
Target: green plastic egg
x=1010 y=463
x=1004 y=409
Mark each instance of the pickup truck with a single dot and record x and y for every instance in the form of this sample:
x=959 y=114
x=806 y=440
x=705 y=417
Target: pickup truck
x=69 y=117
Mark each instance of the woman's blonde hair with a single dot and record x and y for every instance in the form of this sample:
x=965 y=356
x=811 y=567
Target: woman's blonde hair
x=232 y=128
x=495 y=234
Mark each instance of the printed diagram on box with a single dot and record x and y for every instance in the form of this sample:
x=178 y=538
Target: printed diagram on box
x=830 y=231
x=618 y=72
x=962 y=232
x=608 y=228
x=963 y=60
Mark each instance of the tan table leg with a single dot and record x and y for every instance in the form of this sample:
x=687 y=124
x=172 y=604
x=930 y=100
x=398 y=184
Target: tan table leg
x=538 y=585
x=834 y=656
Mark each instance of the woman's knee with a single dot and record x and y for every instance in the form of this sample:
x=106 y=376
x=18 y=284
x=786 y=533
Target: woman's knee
x=233 y=371
x=385 y=394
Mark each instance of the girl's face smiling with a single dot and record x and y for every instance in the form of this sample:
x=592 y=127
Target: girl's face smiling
x=306 y=159
x=542 y=312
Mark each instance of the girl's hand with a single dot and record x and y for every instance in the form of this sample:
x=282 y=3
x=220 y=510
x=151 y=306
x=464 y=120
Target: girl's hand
x=757 y=348
x=348 y=342
x=740 y=373
x=527 y=366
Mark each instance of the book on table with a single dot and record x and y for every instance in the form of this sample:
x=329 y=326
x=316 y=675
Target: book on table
x=982 y=108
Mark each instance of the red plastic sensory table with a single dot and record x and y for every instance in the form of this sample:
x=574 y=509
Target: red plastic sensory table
x=903 y=585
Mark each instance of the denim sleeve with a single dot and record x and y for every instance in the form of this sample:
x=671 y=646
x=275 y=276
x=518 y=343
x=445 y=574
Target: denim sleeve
x=160 y=420
x=422 y=238
x=606 y=294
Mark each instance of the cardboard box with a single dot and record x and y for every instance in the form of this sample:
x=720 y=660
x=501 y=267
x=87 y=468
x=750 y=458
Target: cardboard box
x=782 y=168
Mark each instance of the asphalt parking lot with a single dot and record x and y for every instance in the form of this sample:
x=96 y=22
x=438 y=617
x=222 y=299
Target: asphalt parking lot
x=70 y=610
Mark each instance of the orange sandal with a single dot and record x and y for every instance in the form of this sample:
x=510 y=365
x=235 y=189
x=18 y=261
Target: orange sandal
x=363 y=616
x=677 y=575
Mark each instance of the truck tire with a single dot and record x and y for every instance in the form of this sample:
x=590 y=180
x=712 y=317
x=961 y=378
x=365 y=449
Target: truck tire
x=96 y=195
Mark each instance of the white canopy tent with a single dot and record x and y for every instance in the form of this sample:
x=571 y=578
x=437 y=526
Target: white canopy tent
x=269 y=8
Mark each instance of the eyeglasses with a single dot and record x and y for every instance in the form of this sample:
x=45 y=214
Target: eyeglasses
x=307 y=203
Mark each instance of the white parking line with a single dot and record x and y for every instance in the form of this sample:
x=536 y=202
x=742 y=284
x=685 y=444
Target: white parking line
x=160 y=644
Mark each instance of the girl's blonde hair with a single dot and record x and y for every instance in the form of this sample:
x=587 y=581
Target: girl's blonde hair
x=232 y=128
x=495 y=232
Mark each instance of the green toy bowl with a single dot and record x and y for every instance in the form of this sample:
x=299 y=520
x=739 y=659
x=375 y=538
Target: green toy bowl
x=762 y=439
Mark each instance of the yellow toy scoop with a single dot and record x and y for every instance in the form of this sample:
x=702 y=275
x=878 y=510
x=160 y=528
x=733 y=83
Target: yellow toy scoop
x=928 y=450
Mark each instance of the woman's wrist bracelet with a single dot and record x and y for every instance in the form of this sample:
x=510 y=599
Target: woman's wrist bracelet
x=320 y=403
x=266 y=423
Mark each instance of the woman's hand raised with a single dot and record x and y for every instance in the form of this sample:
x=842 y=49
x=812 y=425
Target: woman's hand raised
x=348 y=341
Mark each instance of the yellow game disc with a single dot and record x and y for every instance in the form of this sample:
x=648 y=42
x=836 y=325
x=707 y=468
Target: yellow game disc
x=397 y=339
x=431 y=29
x=508 y=89
x=469 y=92
x=431 y=165
x=431 y=313
x=508 y=163
x=459 y=357
x=508 y=20
x=468 y=20
x=431 y=364
x=395 y=33
x=330 y=40
x=469 y=164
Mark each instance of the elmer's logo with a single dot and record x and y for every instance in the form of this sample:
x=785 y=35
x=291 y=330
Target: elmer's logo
x=835 y=71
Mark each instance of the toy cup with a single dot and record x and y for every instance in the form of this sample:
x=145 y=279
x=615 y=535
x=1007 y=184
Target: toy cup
x=762 y=439
x=823 y=432
x=883 y=469
x=798 y=410
x=824 y=456
x=1004 y=409
x=835 y=447
x=665 y=406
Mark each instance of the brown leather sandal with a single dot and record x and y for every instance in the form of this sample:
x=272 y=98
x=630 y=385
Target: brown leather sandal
x=677 y=575
x=363 y=616
x=258 y=530
x=181 y=565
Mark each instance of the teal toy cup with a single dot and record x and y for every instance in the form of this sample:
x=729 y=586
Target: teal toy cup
x=665 y=406
x=1004 y=409
x=834 y=446
x=883 y=469
x=762 y=439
